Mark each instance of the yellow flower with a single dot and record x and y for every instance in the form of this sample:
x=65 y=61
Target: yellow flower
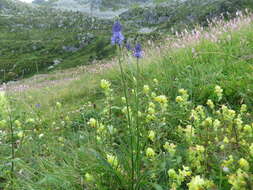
x=243 y=108
x=196 y=183
x=21 y=134
x=207 y=122
x=194 y=115
x=238 y=180
x=239 y=122
x=17 y=123
x=105 y=84
x=183 y=91
x=210 y=104
x=30 y=120
x=200 y=148
x=151 y=105
x=218 y=91
x=216 y=124
x=150 y=152
x=146 y=89
x=179 y=99
x=247 y=129
x=229 y=114
x=151 y=135
x=155 y=81
x=112 y=160
x=58 y=105
x=172 y=173
x=244 y=164
x=150 y=117
x=225 y=140
x=92 y=122
x=185 y=172
x=161 y=99
x=151 y=110
x=89 y=177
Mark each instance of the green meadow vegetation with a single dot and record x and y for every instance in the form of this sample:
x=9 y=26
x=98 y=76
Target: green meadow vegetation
x=178 y=118
x=40 y=39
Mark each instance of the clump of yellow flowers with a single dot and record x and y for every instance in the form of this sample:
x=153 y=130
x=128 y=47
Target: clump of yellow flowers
x=198 y=183
x=177 y=178
x=183 y=98
x=150 y=153
x=204 y=140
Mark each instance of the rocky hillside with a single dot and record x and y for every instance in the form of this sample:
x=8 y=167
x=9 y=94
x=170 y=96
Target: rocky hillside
x=35 y=39
x=98 y=8
x=179 y=14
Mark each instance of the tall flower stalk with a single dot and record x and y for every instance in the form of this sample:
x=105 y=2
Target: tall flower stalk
x=117 y=39
x=138 y=55
x=134 y=128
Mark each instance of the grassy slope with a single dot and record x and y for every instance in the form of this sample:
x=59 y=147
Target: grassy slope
x=227 y=63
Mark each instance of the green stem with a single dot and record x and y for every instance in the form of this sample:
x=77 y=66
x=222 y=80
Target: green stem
x=4 y=75
x=128 y=119
x=220 y=181
x=12 y=146
x=137 y=119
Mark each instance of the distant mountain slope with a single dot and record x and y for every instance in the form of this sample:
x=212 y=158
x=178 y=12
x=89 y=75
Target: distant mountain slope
x=49 y=35
x=35 y=39
x=181 y=14
x=98 y=8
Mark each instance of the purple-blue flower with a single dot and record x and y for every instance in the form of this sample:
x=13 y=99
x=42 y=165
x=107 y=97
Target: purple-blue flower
x=128 y=46
x=37 y=105
x=138 y=51
x=116 y=27
x=117 y=36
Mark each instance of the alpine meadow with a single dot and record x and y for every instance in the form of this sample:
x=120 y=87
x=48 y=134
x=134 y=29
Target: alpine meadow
x=126 y=95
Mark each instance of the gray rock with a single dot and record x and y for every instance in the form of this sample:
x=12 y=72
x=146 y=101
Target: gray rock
x=56 y=62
